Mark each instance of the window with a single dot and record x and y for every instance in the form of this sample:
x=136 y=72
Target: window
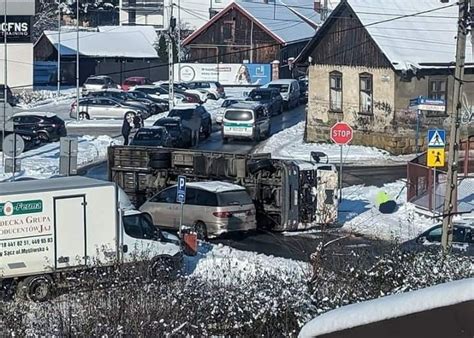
x=166 y=196
x=228 y=30
x=237 y=197
x=365 y=93
x=437 y=89
x=435 y=234
x=191 y=196
x=206 y=198
x=335 y=91
x=459 y=234
x=137 y=226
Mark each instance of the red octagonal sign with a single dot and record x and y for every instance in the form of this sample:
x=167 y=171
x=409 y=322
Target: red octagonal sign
x=341 y=133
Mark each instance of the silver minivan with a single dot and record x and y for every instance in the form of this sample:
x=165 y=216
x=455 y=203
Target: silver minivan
x=212 y=208
x=289 y=91
x=246 y=120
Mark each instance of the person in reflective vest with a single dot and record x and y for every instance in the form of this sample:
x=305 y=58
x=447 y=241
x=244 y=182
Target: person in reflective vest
x=385 y=204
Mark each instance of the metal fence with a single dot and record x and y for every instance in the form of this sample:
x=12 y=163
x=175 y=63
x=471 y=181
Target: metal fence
x=426 y=187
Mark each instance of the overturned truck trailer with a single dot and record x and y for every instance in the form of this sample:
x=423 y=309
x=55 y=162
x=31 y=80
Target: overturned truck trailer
x=289 y=195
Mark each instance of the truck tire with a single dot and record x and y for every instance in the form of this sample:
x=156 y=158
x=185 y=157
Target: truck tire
x=161 y=269
x=36 y=288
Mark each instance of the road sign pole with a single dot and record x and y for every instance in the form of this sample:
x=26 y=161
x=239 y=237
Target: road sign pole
x=14 y=155
x=181 y=219
x=434 y=192
x=417 y=132
x=340 y=176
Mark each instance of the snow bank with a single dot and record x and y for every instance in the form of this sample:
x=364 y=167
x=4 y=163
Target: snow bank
x=390 y=307
x=43 y=162
x=229 y=266
x=359 y=214
x=39 y=98
x=289 y=144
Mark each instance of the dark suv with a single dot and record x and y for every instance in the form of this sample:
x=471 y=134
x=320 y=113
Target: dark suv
x=180 y=135
x=48 y=127
x=196 y=118
x=269 y=98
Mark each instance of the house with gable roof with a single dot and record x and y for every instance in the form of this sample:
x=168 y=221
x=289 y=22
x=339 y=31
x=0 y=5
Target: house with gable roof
x=259 y=32
x=370 y=58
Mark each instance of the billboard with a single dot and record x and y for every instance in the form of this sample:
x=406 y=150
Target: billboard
x=230 y=74
x=18 y=28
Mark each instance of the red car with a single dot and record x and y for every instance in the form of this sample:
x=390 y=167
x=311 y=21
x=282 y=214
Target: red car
x=135 y=81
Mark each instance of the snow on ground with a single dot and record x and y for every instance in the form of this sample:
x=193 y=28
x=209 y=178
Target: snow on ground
x=393 y=306
x=39 y=98
x=359 y=214
x=289 y=144
x=228 y=265
x=43 y=162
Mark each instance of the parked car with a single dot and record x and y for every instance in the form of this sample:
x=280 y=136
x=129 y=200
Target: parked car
x=213 y=208
x=48 y=127
x=30 y=138
x=129 y=99
x=303 y=90
x=163 y=105
x=246 y=120
x=135 y=81
x=159 y=92
x=214 y=89
x=196 y=118
x=152 y=137
x=192 y=95
x=180 y=135
x=463 y=238
x=104 y=107
x=11 y=99
x=289 y=91
x=95 y=83
x=225 y=104
x=270 y=98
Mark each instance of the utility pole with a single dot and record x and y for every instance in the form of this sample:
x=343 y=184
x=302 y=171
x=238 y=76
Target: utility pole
x=5 y=91
x=171 y=28
x=454 y=137
x=59 y=47
x=179 y=40
x=77 y=60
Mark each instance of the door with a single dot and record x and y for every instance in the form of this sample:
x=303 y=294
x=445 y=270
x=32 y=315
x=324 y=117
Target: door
x=163 y=208
x=70 y=231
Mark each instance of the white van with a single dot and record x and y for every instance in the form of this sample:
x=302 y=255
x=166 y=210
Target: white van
x=246 y=120
x=289 y=91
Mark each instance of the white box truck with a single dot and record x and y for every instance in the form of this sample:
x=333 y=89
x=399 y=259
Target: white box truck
x=54 y=226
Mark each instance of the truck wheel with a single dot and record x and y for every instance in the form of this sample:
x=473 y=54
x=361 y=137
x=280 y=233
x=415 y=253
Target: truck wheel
x=36 y=288
x=161 y=268
x=201 y=230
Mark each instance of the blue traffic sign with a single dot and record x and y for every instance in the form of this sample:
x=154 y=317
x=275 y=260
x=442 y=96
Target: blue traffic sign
x=181 y=189
x=436 y=138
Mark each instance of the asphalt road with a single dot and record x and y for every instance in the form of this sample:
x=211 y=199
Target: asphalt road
x=299 y=245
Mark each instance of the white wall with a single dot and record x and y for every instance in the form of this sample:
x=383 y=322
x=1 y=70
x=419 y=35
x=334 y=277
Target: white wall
x=19 y=66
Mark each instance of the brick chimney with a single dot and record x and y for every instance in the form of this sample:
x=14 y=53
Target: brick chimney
x=317 y=6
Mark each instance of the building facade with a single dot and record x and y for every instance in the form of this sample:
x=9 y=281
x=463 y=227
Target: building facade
x=355 y=76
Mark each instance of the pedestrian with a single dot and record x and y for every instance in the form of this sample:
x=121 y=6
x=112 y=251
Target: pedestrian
x=126 y=128
x=385 y=204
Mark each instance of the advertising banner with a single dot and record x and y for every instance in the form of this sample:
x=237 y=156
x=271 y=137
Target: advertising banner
x=18 y=28
x=230 y=74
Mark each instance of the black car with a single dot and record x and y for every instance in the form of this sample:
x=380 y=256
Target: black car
x=268 y=97
x=463 y=238
x=163 y=105
x=152 y=137
x=194 y=117
x=29 y=137
x=180 y=135
x=47 y=127
x=128 y=99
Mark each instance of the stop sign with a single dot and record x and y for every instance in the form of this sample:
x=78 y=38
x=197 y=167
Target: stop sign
x=341 y=133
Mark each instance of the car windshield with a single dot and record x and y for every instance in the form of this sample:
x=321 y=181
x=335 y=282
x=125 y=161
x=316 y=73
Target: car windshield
x=282 y=87
x=260 y=95
x=185 y=114
x=236 y=197
x=95 y=81
x=238 y=115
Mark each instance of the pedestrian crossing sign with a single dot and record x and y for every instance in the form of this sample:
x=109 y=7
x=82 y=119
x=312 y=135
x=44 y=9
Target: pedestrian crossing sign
x=436 y=138
x=435 y=157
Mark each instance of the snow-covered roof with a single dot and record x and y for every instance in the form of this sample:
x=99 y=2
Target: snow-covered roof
x=286 y=20
x=393 y=306
x=131 y=44
x=215 y=186
x=419 y=40
x=148 y=32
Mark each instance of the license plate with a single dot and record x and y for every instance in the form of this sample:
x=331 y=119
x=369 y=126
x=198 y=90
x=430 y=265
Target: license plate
x=240 y=214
